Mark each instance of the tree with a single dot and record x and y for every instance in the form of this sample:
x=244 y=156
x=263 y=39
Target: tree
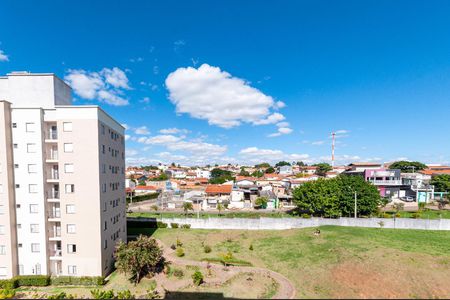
x=139 y=258
x=219 y=176
x=336 y=197
x=269 y=170
x=243 y=172
x=282 y=163
x=323 y=168
x=161 y=177
x=257 y=174
x=220 y=207
x=301 y=164
x=261 y=202
x=441 y=183
x=187 y=206
x=408 y=166
x=262 y=165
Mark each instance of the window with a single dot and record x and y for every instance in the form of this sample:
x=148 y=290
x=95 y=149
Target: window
x=2 y=250
x=68 y=147
x=34 y=208
x=103 y=149
x=32 y=168
x=105 y=244
x=70 y=188
x=71 y=248
x=15 y=146
x=106 y=226
x=2 y=209
x=71 y=228
x=30 y=127
x=14 y=125
x=72 y=270
x=35 y=248
x=31 y=148
x=16 y=166
x=2 y=229
x=17 y=186
x=34 y=228
x=21 y=270
x=68 y=168
x=17 y=205
x=70 y=208
x=104 y=188
x=32 y=188
x=67 y=126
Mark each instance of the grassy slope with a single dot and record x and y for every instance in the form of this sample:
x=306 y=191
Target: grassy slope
x=341 y=262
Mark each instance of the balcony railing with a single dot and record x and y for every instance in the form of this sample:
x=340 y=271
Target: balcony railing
x=53 y=155
x=54 y=175
x=53 y=194
x=56 y=253
x=386 y=182
x=53 y=214
x=55 y=233
x=52 y=135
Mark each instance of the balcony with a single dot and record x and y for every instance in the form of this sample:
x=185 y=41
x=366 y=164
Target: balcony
x=52 y=157
x=54 y=215
x=386 y=182
x=53 y=196
x=55 y=234
x=52 y=134
x=54 y=175
x=55 y=254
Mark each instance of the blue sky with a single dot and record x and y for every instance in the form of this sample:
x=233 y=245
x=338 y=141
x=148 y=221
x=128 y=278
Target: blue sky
x=249 y=81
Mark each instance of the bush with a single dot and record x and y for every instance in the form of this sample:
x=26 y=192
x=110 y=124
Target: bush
x=398 y=215
x=186 y=226
x=61 y=295
x=197 y=278
x=86 y=280
x=178 y=273
x=174 y=225
x=173 y=247
x=179 y=252
x=207 y=249
x=99 y=294
x=306 y=216
x=8 y=284
x=7 y=293
x=33 y=280
x=416 y=215
x=126 y=294
x=251 y=247
x=160 y=224
x=179 y=243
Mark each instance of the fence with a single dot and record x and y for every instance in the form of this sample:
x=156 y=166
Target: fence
x=290 y=223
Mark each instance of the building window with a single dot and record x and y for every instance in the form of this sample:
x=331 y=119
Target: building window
x=68 y=147
x=103 y=149
x=67 y=126
x=34 y=228
x=70 y=188
x=2 y=209
x=17 y=186
x=72 y=270
x=35 y=248
x=31 y=148
x=30 y=127
x=71 y=248
x=34 y=208
x=105 y=244
x=32 y=188
x=2 y=250
x=14 y=125
x=70 y=208
x=21 y=270
x=16 y=166
x=71 y=228
x=68 y=168
x=32 y=168
x=103 y=129
x=2 y=229
x=15 y=146
x=106 y=226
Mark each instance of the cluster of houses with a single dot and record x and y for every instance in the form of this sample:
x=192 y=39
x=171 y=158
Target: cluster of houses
x=181 y=184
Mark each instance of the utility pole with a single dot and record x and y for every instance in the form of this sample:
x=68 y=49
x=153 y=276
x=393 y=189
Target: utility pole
x=356 y=206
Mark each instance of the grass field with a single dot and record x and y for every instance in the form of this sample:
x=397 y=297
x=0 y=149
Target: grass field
x=342 y=262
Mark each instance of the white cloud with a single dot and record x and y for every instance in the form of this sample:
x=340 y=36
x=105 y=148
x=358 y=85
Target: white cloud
x=127 y=137
x=283 y=128
x=142 y=130
x=106 y=86
x=318 y=143
x=145 y=100
x=131 y=152
x=255 y=155
x=173 y=131
x=3 y=56
x=214 y=95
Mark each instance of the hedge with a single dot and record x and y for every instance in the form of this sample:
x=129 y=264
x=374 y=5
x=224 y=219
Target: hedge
x=8 y=284
x=32 y=280
x=140 y=198
x=85 y=280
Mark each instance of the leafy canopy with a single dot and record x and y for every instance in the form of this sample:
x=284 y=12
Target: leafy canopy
x=323 y=168
x=282 y=163
x=408 y=166
x=441 y=183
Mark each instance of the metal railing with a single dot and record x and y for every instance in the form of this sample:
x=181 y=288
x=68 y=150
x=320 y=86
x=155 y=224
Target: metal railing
x=386 y=182
x=54 y=214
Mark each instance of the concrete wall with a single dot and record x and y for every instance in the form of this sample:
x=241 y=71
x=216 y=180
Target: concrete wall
x=290 y=223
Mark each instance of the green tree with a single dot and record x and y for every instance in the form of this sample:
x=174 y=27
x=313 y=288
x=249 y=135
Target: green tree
x=301 y=164
x=269 y=170
x=257 y=174
x=220 y=207
x=219 y=176
x=408 y=166
x=262 y=165
x=161 y=177
x=139 y=258
x=187 y=206
x=282 y=163
x=243 y=172
x=261 y=202
x=441 y=183
x=323 y=168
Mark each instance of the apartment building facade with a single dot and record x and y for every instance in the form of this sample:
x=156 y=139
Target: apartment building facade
x=62 y=194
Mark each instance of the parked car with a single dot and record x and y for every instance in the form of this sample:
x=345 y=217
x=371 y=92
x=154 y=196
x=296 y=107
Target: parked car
x=407 y=199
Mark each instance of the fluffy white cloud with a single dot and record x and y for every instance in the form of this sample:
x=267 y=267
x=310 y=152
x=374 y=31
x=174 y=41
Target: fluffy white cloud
x=142 y=130
x=283 y=128
x=106 y=86
x=173 y=131
x=255 y=155
x=3 y=56
x=214 y=95
x=131 y=152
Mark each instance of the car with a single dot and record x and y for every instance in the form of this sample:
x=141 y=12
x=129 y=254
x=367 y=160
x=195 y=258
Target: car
x=407 y=199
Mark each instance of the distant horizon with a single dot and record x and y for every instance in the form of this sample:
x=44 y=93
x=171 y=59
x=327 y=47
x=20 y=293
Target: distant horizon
x=248 y=82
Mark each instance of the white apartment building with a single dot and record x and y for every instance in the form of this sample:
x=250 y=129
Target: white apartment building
x=62 y=194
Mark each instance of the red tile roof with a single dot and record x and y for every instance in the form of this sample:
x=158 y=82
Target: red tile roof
x=146 y=188
x=219 y=189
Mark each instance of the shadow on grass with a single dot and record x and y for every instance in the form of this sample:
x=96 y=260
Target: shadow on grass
x=136 y=228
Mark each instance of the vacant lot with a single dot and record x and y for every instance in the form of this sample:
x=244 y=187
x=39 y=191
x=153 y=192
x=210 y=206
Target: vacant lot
x=339 y=262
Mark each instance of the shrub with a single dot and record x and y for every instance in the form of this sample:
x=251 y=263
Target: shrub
x=306 y=216
x=174 y=225
x=173 y=247
x=398 y=215
x=179 y=243
x=8 y=284
x=160 y=224
x=179 y=252
x=228 y=256
x=61 y=295
x=85 y=280
x=178 y=273
x=33 y=280
x=416 y=215
x=126 y=294
x=197 y=278
x=251 y=247
x=99 y=294
x=207 y=249
x=7 y=293
x=186 y=226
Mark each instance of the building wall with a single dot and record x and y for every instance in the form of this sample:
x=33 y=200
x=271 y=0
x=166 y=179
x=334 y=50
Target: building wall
x=8 y=234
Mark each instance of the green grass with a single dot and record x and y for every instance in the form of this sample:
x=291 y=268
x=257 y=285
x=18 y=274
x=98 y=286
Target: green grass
x=310 y=261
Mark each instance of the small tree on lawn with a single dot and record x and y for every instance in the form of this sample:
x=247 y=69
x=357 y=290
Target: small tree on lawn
x=220 y=207
x=139 y=258
x=261 y=202
x=187 y=206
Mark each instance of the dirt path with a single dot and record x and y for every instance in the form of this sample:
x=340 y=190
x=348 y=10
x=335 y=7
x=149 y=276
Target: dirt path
x=286 y=289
